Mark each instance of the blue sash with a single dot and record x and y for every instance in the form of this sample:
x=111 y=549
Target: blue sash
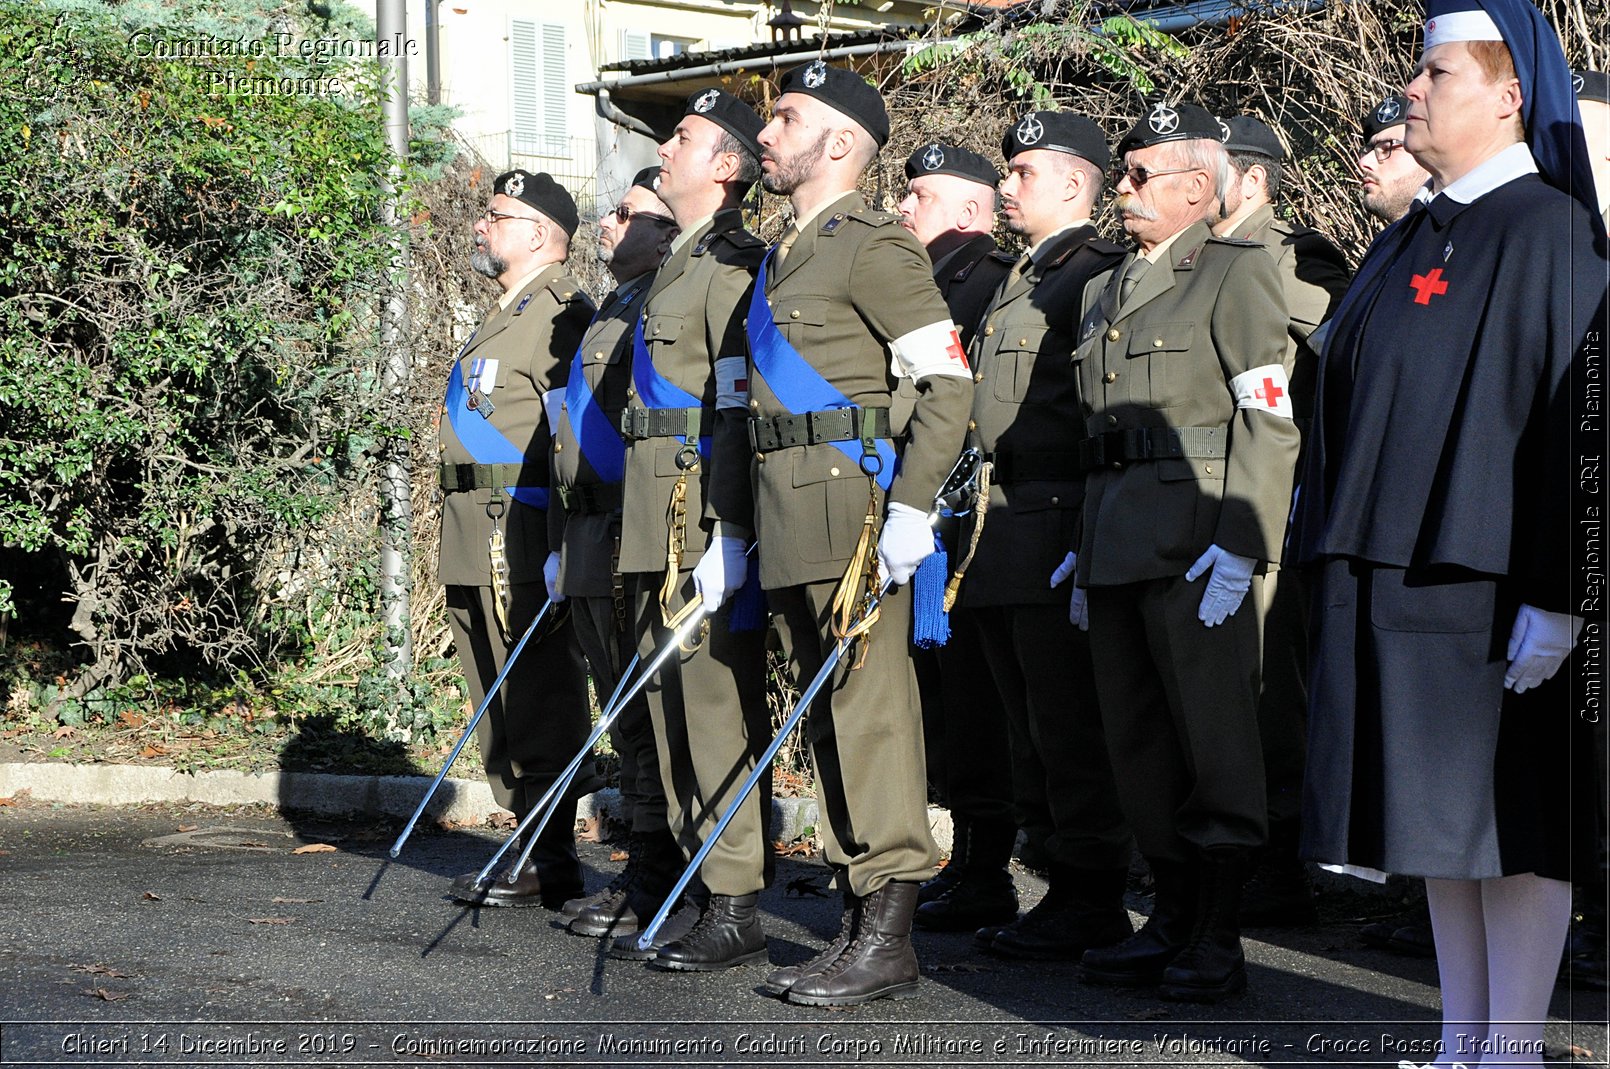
x=485 y=442
x=656 y=391
x=799 y=386
x=600 y=442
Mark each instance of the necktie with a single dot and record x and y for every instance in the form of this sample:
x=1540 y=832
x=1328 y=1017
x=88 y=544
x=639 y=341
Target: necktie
x=790 y=236
x=1126 y=286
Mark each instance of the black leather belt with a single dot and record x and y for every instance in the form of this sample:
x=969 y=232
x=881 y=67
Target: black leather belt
x=1022 y=466
x=640 y=423
x=1152 y=443
x=767 y=434
x=456 y=478
x=590 y=500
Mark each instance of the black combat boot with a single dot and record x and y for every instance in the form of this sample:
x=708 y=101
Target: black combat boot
x=636 y=848
x=1279 y=893
x=1139 y=961
x=982 y=893
x=946 y=878
x=1083 y=908
x=727 y=933
x=1212 y=967
x=623 y=911
x=877 y=962
x=778 y=981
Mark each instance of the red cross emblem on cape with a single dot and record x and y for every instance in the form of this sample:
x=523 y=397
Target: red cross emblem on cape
x=1428 y=286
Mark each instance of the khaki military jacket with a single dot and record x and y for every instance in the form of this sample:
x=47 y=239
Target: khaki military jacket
x=533 y=340
x=587 y=538
x=1026 y=418
x=854 y=281
x=1209 y=311
x=1313 y=277
x=692 y=316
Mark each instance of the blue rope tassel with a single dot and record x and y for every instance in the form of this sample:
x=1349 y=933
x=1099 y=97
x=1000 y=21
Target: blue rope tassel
x=930 y=624
x=748 y=611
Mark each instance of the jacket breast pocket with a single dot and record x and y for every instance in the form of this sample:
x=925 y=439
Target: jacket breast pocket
x=662 y=328
x=794 y=316
x=1157 y=372
x=1014 y=363
x=830 y=495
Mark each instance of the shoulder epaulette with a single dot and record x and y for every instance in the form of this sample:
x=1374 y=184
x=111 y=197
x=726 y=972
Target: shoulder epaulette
x=870 y=217
x=737 y=237
x=1005 y=257
x=1245 y=243
x=1111 y=248
x=966 y=269
x=565 y=289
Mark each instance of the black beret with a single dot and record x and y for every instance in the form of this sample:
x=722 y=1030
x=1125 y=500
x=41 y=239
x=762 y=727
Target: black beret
x=1393 y=111
x=1253 y=135
x=729 y=113
x=845 y=91
x=1059 y=131
x=1591 y=85
x=648 y=178
x=1176 y=122
x=541 y=192
x=937 y=158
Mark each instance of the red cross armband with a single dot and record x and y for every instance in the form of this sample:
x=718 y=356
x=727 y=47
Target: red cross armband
x=732 y=382
x=1265 y=389
x=932 y=350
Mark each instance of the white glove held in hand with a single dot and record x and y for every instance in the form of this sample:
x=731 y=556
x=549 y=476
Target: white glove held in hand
x=1538 y=644
x=1078 y=611
x=1228 y=585
x=906 y=541
x=721 y=571
x=550 y=578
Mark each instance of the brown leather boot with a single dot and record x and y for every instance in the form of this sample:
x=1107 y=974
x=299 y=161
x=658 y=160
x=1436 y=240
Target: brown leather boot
x=778 y=981
x=727 y=934
x=877 y=962
x=624 y=910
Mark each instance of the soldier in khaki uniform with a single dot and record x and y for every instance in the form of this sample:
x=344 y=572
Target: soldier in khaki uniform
x=1182 y=371
x=584 y=521
x=708 y=705
x=1313 y=277
x=1027 y=422
x=494 y=446
x=849 y=308
x=949 y=206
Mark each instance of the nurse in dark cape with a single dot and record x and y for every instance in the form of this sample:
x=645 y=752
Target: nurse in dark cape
x=1437 y=513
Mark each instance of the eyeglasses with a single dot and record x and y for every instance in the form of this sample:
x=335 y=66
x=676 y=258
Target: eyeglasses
x=494 y=217
x=623 y=212
x=1383 y=149
x=1139 y=176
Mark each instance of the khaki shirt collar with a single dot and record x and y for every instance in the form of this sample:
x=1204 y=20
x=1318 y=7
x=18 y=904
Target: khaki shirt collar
x=508 y=296
x=687 y=234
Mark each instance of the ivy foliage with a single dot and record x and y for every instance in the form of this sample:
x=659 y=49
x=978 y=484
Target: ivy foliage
x=190 y=208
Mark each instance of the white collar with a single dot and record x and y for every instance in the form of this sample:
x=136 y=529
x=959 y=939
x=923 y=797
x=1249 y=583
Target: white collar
x=1514 y=162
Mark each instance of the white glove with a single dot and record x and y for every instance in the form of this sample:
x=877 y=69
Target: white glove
x=1231 y=579
x=1078 y=611
x=550 y=577
x=906 y=541
x=1538 y=644
x=721 y=571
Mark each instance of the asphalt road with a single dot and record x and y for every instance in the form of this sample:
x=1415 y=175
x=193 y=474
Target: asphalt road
x=128 y=941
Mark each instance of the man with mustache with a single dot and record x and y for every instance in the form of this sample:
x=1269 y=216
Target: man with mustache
x=1184 y=375
x=843 y=310
x=1026 y=420
x=506 y=386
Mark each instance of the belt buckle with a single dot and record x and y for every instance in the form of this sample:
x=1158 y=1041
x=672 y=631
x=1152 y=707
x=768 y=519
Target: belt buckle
x=754 y=434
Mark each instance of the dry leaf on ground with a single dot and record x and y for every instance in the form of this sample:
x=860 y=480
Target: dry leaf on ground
x=103 y=994
x=271 y=920
x=149 y=897
x=278 y=901
x=315 y=848
x=97 y=969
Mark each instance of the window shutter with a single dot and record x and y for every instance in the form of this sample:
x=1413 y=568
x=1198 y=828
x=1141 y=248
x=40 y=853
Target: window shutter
x=556 y=87
x=636 y=45
x=526 y=105
x=539 y=107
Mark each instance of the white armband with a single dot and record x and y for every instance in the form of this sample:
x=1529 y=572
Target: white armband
x=932 y=350
x=732 y=382
x=1265 y=389
x=552 y=402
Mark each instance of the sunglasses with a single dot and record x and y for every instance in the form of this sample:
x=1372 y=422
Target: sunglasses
x=1139 y=176
x=623 y=212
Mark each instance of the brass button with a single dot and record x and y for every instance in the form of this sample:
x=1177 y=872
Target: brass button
x=598 y=356
x=1112 y=421
x=794 y=314
x=1111 y=376
x=1117 y=465
x=971 y=425
x=1157 y=343
x=558 y=447
x=1056 y=501
x=989 y=330
x=656 y=331
x=1208 y=468
x=832 y=471
x=978 y=376
x=1023 y=341
x=631 y=391
x=755 y=405
x=760 y=458
x=1113 y=335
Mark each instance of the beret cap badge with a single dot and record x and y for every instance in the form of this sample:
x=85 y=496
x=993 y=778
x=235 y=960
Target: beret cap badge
x=1388 y=110
x=1163 y=119
x=1030 y=130
x=706 y=101
x=934 y=158
x=815 y=74
x=515 y=185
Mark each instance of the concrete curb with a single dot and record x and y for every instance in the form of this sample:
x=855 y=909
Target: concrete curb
x=460 y=800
